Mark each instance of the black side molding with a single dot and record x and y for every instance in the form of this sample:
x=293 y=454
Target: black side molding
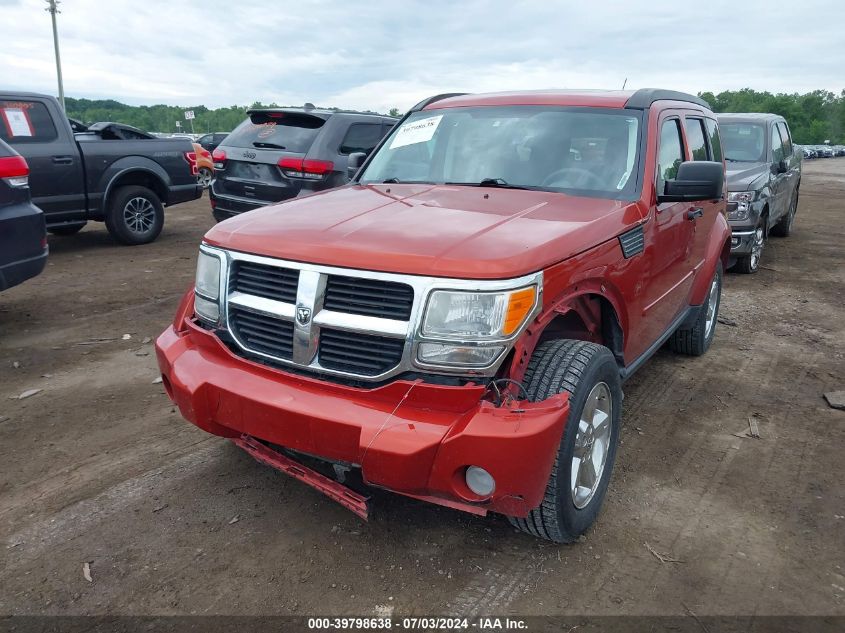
x=632 y=242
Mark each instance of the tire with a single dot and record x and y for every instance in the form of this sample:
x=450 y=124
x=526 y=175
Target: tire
x=695 y=340
x=784 y=227
x=204 y=177
x=135 y=216
x=65 y=231
x=579 y=368
x=750 y=264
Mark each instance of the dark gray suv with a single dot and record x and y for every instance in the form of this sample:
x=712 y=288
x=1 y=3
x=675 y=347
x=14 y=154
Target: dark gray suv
x=764 y=175
x=281 y=153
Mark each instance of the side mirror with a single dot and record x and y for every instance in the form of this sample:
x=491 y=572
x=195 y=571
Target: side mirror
x=782 y=167
x=696 y=180
x=354 y=162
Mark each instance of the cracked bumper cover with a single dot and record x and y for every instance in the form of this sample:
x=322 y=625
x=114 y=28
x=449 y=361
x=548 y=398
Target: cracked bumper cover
x=409 y=437
x=741 y=241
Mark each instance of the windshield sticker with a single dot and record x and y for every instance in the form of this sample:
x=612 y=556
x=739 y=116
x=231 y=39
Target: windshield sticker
x=419 y=131
x=17 y=122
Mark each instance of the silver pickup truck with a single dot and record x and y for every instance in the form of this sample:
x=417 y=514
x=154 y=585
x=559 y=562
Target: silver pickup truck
x=764 y=175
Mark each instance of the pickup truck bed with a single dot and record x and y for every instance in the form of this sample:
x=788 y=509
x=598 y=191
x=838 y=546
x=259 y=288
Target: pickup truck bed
x=78 y=178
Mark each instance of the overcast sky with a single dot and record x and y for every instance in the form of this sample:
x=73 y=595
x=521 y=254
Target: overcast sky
x=378 y=55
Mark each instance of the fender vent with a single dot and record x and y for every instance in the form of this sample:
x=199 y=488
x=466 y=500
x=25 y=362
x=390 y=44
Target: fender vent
x=632 y=242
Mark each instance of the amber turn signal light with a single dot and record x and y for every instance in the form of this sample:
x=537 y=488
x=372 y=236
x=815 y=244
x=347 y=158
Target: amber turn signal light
x=520 y=303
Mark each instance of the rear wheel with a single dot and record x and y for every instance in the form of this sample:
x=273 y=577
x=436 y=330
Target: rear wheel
x=135 y=215
x=749 y=264
x=695 y=340
x=784 y=227
x=584 y=461
x=204 y=177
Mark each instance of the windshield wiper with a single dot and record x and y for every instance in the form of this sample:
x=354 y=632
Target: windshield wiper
x=489 y=182
x=268 y=145
x=390 y=181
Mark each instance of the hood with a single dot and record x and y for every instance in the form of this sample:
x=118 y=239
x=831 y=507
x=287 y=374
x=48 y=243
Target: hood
x=744 y=176
x=436 y=230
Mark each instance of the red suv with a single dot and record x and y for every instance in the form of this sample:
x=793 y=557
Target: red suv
x=456 y=324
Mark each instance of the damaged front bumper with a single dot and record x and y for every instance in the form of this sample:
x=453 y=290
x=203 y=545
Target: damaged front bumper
x=408 y=436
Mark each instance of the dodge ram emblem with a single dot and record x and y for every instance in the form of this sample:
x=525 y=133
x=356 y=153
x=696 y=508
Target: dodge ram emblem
x=303 y=315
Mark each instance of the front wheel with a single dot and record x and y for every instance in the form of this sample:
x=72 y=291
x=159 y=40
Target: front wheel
x=750 y=264
x=135 y=215
x=695 y=340
x=578 y=482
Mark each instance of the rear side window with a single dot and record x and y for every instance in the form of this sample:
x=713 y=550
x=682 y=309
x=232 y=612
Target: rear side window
x=277 y=130
x=784 y=134
x=26 y=122
x=361 y=137
x=715 y=140
x=695 y=138
x=777 y=145
x=670 y=154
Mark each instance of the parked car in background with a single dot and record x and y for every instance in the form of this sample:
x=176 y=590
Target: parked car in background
x=281 y=153
x=205 y=166
x=211 y=141
x=23 y=237
x=764 y=177
x=456 y=323
x=97 y=174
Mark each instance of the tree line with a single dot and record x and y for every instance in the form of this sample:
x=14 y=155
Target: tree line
x=814 y=117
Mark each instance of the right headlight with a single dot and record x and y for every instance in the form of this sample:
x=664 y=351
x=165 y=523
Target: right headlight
x=207 y=287
x=461 y=328
x=741 y=207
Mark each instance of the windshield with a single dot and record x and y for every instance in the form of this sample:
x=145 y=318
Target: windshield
x=744 y=142
x=580 y=150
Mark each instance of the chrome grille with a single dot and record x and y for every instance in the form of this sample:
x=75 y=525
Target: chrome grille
x=343 y=322
x=362 y=354
x=270 y=282
x=262 y=333
x=369 y=297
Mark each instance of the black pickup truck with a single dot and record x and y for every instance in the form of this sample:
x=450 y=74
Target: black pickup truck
x=75 y=178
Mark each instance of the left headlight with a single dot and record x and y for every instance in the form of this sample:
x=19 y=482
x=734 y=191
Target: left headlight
x=461 y=328
x=207 y=287
x=477 y=315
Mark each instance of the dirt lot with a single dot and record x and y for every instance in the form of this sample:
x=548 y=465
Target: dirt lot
x=99 y=468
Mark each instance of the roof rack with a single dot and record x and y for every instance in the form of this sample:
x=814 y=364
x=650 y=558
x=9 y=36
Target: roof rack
x=645 y=97
x=426 y=102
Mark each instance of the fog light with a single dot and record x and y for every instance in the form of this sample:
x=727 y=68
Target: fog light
x=480 y=481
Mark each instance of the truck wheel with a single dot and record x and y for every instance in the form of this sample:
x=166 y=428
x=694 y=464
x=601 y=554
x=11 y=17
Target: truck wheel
x=695 y=340
x=204 y=177
x=66 y=230
x=584 y=461
x=135 y=215
x=749 y=264
x=784 y=227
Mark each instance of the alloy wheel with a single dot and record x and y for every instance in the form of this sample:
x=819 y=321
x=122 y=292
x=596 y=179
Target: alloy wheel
x=592 y=444
x=712 y=306
x=139 y=215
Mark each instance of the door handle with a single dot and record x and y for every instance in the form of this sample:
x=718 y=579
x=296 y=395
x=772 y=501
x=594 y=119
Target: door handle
x=692 y=214
x=63 y=160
